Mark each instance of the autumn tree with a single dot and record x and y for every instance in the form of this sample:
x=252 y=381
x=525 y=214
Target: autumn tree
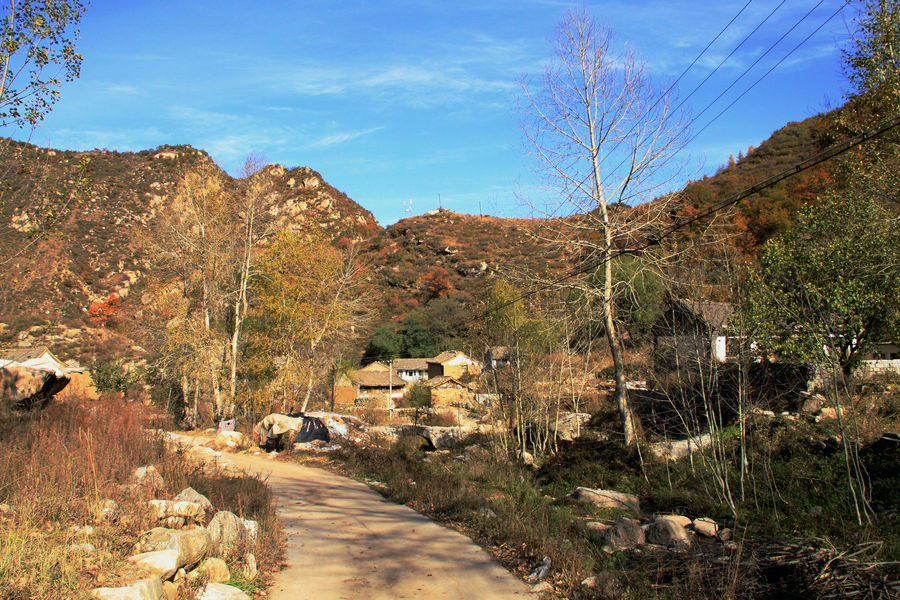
x=194 y=245
x=308 y=309
x=37 y=55
x=604 y=137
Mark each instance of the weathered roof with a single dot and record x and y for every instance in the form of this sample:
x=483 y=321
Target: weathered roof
x=375 y=366
x=444 y=380
x=714 y=314
x=447 y=355
x=410 y=364
x=23 y=354
x=376 y=379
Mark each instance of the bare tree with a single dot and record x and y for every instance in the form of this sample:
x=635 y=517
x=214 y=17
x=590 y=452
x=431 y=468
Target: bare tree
x=605 y=139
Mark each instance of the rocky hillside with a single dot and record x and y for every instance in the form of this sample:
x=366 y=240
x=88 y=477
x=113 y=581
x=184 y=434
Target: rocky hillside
x=72 y=224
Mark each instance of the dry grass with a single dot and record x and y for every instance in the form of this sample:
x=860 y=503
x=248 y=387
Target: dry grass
x=57 y=467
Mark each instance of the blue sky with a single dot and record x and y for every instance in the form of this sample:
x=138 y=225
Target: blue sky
x=404 y=105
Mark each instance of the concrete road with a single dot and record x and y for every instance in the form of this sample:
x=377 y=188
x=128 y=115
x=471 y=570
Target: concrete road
x=346 y=542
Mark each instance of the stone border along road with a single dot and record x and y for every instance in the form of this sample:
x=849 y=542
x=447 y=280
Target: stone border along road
x=346 y=542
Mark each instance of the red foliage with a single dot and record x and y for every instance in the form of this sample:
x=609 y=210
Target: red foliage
x=436 y=282
x=105 y=311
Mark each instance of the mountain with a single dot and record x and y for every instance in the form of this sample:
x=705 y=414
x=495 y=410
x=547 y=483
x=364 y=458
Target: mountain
x=74 y=222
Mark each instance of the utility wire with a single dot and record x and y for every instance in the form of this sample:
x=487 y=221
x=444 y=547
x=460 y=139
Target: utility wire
x=764 y=75
x=655 y=238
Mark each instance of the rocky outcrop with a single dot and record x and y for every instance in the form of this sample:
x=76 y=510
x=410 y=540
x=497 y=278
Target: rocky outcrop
x=607 y=499
x=23 y=388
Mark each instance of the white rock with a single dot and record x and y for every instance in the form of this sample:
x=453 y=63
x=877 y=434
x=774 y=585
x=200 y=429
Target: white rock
x=706 y=527
x=189 y=494
x=220 y=591
x=163 y=509
x=148 y=477
x=144 y=589
x=540 y=588
x=191 y=544
x=607 y=499
x=216 y=570
x=163 y=563
x=251 y=530
x=225 y=530
x=250 y=569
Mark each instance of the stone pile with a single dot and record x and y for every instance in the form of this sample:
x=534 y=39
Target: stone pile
x=188 y=544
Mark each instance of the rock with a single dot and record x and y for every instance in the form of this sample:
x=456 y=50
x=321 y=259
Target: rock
x=220 y=591
x=527 y=459
x=5 y=510
x=665 y=532
x=570 y=425
x=85 y=530
x=165 y=509
x=828 y=413
x=144 y=589
x=189 y=494
x=673 y=450
x=191 y=544
x=724 y=534
x=540 y=588
x=251 y=530
x=228 y=440
x=706 y=527
x=25 y=388
x=680 y=520
x=250 y=569
x=607 y=499
x=163 y=563
x=813 y=404
x=487 y=513
x=170 y=590
x=624 y=533
x=225 y=531
x=607 y=584
x=597 y=526
x=83 y=548
x=148 y=477
x=107 y=512
x=216 y=570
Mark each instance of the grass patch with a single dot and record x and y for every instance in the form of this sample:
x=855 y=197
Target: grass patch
x=57 y=469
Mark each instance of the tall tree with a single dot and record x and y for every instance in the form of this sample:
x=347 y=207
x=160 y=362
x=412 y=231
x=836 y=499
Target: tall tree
x=308 y=308
x=36 y=37
x=605 y=137
x=827 y=289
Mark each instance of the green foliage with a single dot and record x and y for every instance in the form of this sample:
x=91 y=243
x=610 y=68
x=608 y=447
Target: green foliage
x=439 y=325
x=872 y=61
x=112 y=377
x=37 y=35
x=832 y=282
x=418 y=395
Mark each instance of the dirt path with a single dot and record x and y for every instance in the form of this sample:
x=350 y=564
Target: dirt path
x=346 y=542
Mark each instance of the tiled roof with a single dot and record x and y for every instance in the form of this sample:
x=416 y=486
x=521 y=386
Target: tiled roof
x=376 y=379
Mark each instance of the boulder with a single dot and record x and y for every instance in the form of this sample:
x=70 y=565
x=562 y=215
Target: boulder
x=706 y=527
x=607 y=499
x=597 y=526
x=148 y=477
x=673 y=450
x=144 y=589
x=191 y=544
x=813 y=403
x=250 y=568
x=668 y=533
x=251 y=530
x=185 y=510
x=624 y=533
x=220 y=591
x=607 y=584
x=228 y=440
x=189 y=494
x=680 y=520
x=225 y=530
x=439 y=437
x=216 y=570
x=540 y=588
x=170 y=590
x=570 y=425
x=25 y=388
x=162 y=563
x=107 y=511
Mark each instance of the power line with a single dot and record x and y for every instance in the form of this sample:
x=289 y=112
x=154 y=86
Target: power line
x=655 y=238
x=764 y=75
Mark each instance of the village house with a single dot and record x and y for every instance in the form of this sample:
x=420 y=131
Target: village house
x=693 y=332
x=452 y=363
x=380 y=383
x=496 y=357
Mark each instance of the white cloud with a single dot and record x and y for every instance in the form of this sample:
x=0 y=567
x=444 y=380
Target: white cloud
x=342 y=136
